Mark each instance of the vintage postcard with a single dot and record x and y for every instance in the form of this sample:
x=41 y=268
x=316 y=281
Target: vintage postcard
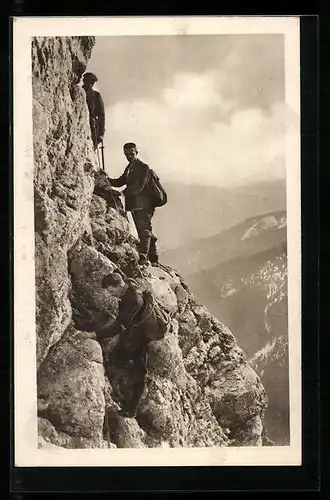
x=157 y=241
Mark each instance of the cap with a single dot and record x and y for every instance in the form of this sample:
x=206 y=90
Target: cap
x=90 y=76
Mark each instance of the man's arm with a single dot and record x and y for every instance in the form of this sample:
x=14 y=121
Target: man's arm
x=138 y=180
x=119 y=181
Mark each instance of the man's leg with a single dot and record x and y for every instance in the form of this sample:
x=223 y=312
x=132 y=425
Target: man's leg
x=138 y=221
x=93 y=132
x=142 y=220
x=138 y=387
x=153 y=254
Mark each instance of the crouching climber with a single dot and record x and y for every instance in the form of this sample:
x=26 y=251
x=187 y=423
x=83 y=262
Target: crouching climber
x=143 y=193
x=139 y=321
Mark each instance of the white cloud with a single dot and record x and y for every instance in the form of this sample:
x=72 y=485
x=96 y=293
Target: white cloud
x=196 y=90
x=176 y=139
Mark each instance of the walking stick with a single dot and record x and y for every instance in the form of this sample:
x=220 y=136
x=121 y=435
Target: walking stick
x=102 y=151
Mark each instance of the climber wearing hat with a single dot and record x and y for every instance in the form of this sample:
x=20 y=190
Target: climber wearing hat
x=95 y=107
x=139 y=202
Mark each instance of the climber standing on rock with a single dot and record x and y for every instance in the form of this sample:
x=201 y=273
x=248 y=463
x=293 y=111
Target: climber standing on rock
x=143 y=193
x=96 y=109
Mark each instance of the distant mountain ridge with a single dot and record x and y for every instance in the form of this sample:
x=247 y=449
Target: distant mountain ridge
x=195 y=212
x=232 y=243
x=252 y=279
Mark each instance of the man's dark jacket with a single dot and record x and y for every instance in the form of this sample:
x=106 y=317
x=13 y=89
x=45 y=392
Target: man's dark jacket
x=135 y=177
x=96 y=111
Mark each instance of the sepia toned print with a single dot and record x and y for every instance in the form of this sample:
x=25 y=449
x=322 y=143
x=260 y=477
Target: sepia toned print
x=157 y=231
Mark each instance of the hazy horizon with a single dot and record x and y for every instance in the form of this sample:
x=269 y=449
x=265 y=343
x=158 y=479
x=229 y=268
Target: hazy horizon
x=206 y=109
x=257 y=183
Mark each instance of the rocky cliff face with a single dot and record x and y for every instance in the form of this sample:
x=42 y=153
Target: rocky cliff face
x=199 y=390
x=63 y=179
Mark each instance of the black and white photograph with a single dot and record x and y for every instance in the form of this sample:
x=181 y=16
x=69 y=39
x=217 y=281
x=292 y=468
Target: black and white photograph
x=157 y=241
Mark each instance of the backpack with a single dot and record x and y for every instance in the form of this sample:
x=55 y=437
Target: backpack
x=156 y=190
x=156 y=321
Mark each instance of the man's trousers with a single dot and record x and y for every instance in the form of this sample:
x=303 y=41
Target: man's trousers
x=142 y=220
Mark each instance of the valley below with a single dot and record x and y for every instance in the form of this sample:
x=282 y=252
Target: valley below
x=240 y=275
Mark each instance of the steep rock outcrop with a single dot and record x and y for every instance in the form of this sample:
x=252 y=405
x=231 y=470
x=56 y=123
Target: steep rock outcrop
x=63 y=174
x=197 y=388
x=71 y=387
x=181 y=402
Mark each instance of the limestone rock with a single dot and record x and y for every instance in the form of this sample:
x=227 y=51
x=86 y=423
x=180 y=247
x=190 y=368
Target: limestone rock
x=71 y=385
x=50 y=438
x=63 y=184
x=45 y=445
x=179 y=417
x=237 y=396
x=163 y=292
x=98 y=207
x=93 y=303
x=53 y=307
x=169 y=276
x=110 y=233
x=182 y=297
x=125 y=432
x=107 y=226
x=104 y=189
x=165 y=360
x=174 y=282
x=249 y=433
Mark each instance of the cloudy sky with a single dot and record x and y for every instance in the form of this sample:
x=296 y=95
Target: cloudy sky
x=203 y=109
